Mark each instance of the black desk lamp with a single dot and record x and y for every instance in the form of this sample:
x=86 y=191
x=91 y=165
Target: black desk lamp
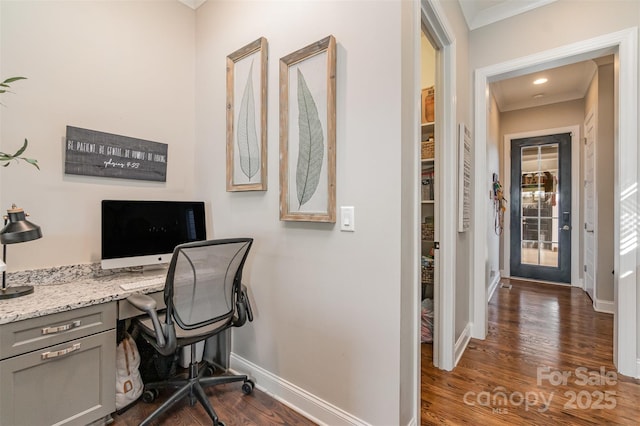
x=18 y=230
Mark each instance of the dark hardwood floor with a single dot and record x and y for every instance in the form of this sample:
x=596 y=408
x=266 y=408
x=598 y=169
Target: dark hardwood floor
x=231 y=405
x=547 y=360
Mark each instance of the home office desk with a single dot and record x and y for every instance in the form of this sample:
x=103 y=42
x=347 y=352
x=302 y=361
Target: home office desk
x=58 y=345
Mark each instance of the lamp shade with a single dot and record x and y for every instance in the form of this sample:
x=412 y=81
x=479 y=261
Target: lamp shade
x=19 y=229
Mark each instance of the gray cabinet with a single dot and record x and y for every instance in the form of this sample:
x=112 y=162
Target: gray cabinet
x=58 y=369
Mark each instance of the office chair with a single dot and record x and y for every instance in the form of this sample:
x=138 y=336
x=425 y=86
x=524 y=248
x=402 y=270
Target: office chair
x=204 y=296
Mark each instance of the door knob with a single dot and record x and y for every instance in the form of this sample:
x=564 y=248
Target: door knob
x=565 y=228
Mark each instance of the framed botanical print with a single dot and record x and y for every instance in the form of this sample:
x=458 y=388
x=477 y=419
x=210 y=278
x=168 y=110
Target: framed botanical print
x=308 y=133
x=247 y=117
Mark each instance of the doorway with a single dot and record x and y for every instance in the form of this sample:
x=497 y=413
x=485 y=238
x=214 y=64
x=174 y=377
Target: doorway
x=429 y=216
x=541 y=208
x=623 y=44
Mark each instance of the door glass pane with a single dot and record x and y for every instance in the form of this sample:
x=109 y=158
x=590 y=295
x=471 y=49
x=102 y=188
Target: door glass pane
x=530 y=229
x=529 y=253
x=539 y=205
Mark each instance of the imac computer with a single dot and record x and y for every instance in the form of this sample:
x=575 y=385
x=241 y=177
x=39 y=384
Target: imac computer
x=144 y=233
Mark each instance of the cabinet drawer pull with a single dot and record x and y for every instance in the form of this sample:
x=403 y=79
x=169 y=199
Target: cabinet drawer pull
x=61 y=352
x=60 y=328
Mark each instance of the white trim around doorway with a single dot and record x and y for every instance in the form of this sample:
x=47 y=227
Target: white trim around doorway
x=575 y=195
x=440 y=35
x=624 y=44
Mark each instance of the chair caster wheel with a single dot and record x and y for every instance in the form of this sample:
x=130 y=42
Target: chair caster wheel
x=247 y=387
x=209 y=370
x=150 y=395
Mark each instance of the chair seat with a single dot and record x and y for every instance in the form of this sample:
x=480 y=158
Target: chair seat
x=184 y=337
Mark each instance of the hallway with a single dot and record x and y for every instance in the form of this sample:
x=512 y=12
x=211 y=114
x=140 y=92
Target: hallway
x=547 y=359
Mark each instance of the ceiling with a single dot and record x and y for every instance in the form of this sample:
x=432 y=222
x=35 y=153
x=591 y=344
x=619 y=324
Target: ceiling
x=193 y=4
x=479 y=13
x=565 y=83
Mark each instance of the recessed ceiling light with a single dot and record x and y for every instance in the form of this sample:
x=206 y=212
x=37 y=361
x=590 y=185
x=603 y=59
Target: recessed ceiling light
x=540 y=81
x=538 y=96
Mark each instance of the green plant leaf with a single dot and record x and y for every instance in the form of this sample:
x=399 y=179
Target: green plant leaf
x=33 y=162
x=12 y=79
x=8 y=158
x=247 y=136
x=311 y=140
x=21 y=150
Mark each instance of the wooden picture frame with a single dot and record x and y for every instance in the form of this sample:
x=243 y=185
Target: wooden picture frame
x=308 y=133
x=247 y=117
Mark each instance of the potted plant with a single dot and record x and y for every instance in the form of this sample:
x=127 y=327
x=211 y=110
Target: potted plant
x=6 y=159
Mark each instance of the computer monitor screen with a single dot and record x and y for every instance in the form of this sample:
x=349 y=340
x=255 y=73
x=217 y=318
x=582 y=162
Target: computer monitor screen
x=140 y=233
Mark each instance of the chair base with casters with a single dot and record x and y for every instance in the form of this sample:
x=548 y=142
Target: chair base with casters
x=192 y=387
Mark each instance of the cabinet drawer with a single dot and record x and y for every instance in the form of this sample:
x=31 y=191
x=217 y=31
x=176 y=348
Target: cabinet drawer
x=68 y=384
x=36 y=333
x=127 y=310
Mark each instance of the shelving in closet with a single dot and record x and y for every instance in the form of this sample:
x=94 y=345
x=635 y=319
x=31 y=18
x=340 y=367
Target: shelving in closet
x=428 y=201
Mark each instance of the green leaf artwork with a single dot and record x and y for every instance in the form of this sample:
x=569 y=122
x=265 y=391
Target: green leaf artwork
x=247 y=137
x=311 y=143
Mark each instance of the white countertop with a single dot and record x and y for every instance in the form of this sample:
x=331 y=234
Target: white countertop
x=72 y=292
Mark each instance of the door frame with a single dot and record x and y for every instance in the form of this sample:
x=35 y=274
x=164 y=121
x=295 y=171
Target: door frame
x=624 y=44
x=575 y=196
x=591 y=116
x=436 y=28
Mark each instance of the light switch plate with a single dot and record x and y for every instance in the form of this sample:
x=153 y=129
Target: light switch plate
x=347 y=219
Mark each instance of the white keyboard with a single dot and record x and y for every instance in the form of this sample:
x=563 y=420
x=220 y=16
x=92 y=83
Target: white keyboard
x=137 y=285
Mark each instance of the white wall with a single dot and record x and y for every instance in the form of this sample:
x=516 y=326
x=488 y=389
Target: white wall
x=463 y=108
x=327 y=303
x=427 y=62
x=119 y=67
x=561 y=114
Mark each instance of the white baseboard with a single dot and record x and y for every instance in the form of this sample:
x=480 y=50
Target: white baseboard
x=493 y=286
x=296 y=398
x=462 y=342
x=605 y=306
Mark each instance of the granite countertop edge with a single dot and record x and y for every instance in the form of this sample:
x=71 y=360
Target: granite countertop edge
x=66 y=288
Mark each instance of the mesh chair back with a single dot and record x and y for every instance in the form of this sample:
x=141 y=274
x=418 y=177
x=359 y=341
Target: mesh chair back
x=204 y=280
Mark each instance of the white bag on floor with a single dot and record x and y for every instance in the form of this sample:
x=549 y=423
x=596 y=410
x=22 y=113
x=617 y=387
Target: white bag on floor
x=128 y=381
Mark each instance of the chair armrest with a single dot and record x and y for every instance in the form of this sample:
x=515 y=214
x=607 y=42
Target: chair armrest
x=148 y=305
x=143 y=302
x=243 y=308
x=245 y=298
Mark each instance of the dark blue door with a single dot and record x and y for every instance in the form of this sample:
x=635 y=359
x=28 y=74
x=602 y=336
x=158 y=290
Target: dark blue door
x=541 y=208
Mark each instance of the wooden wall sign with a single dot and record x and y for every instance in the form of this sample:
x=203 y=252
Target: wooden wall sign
x=93 y=153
